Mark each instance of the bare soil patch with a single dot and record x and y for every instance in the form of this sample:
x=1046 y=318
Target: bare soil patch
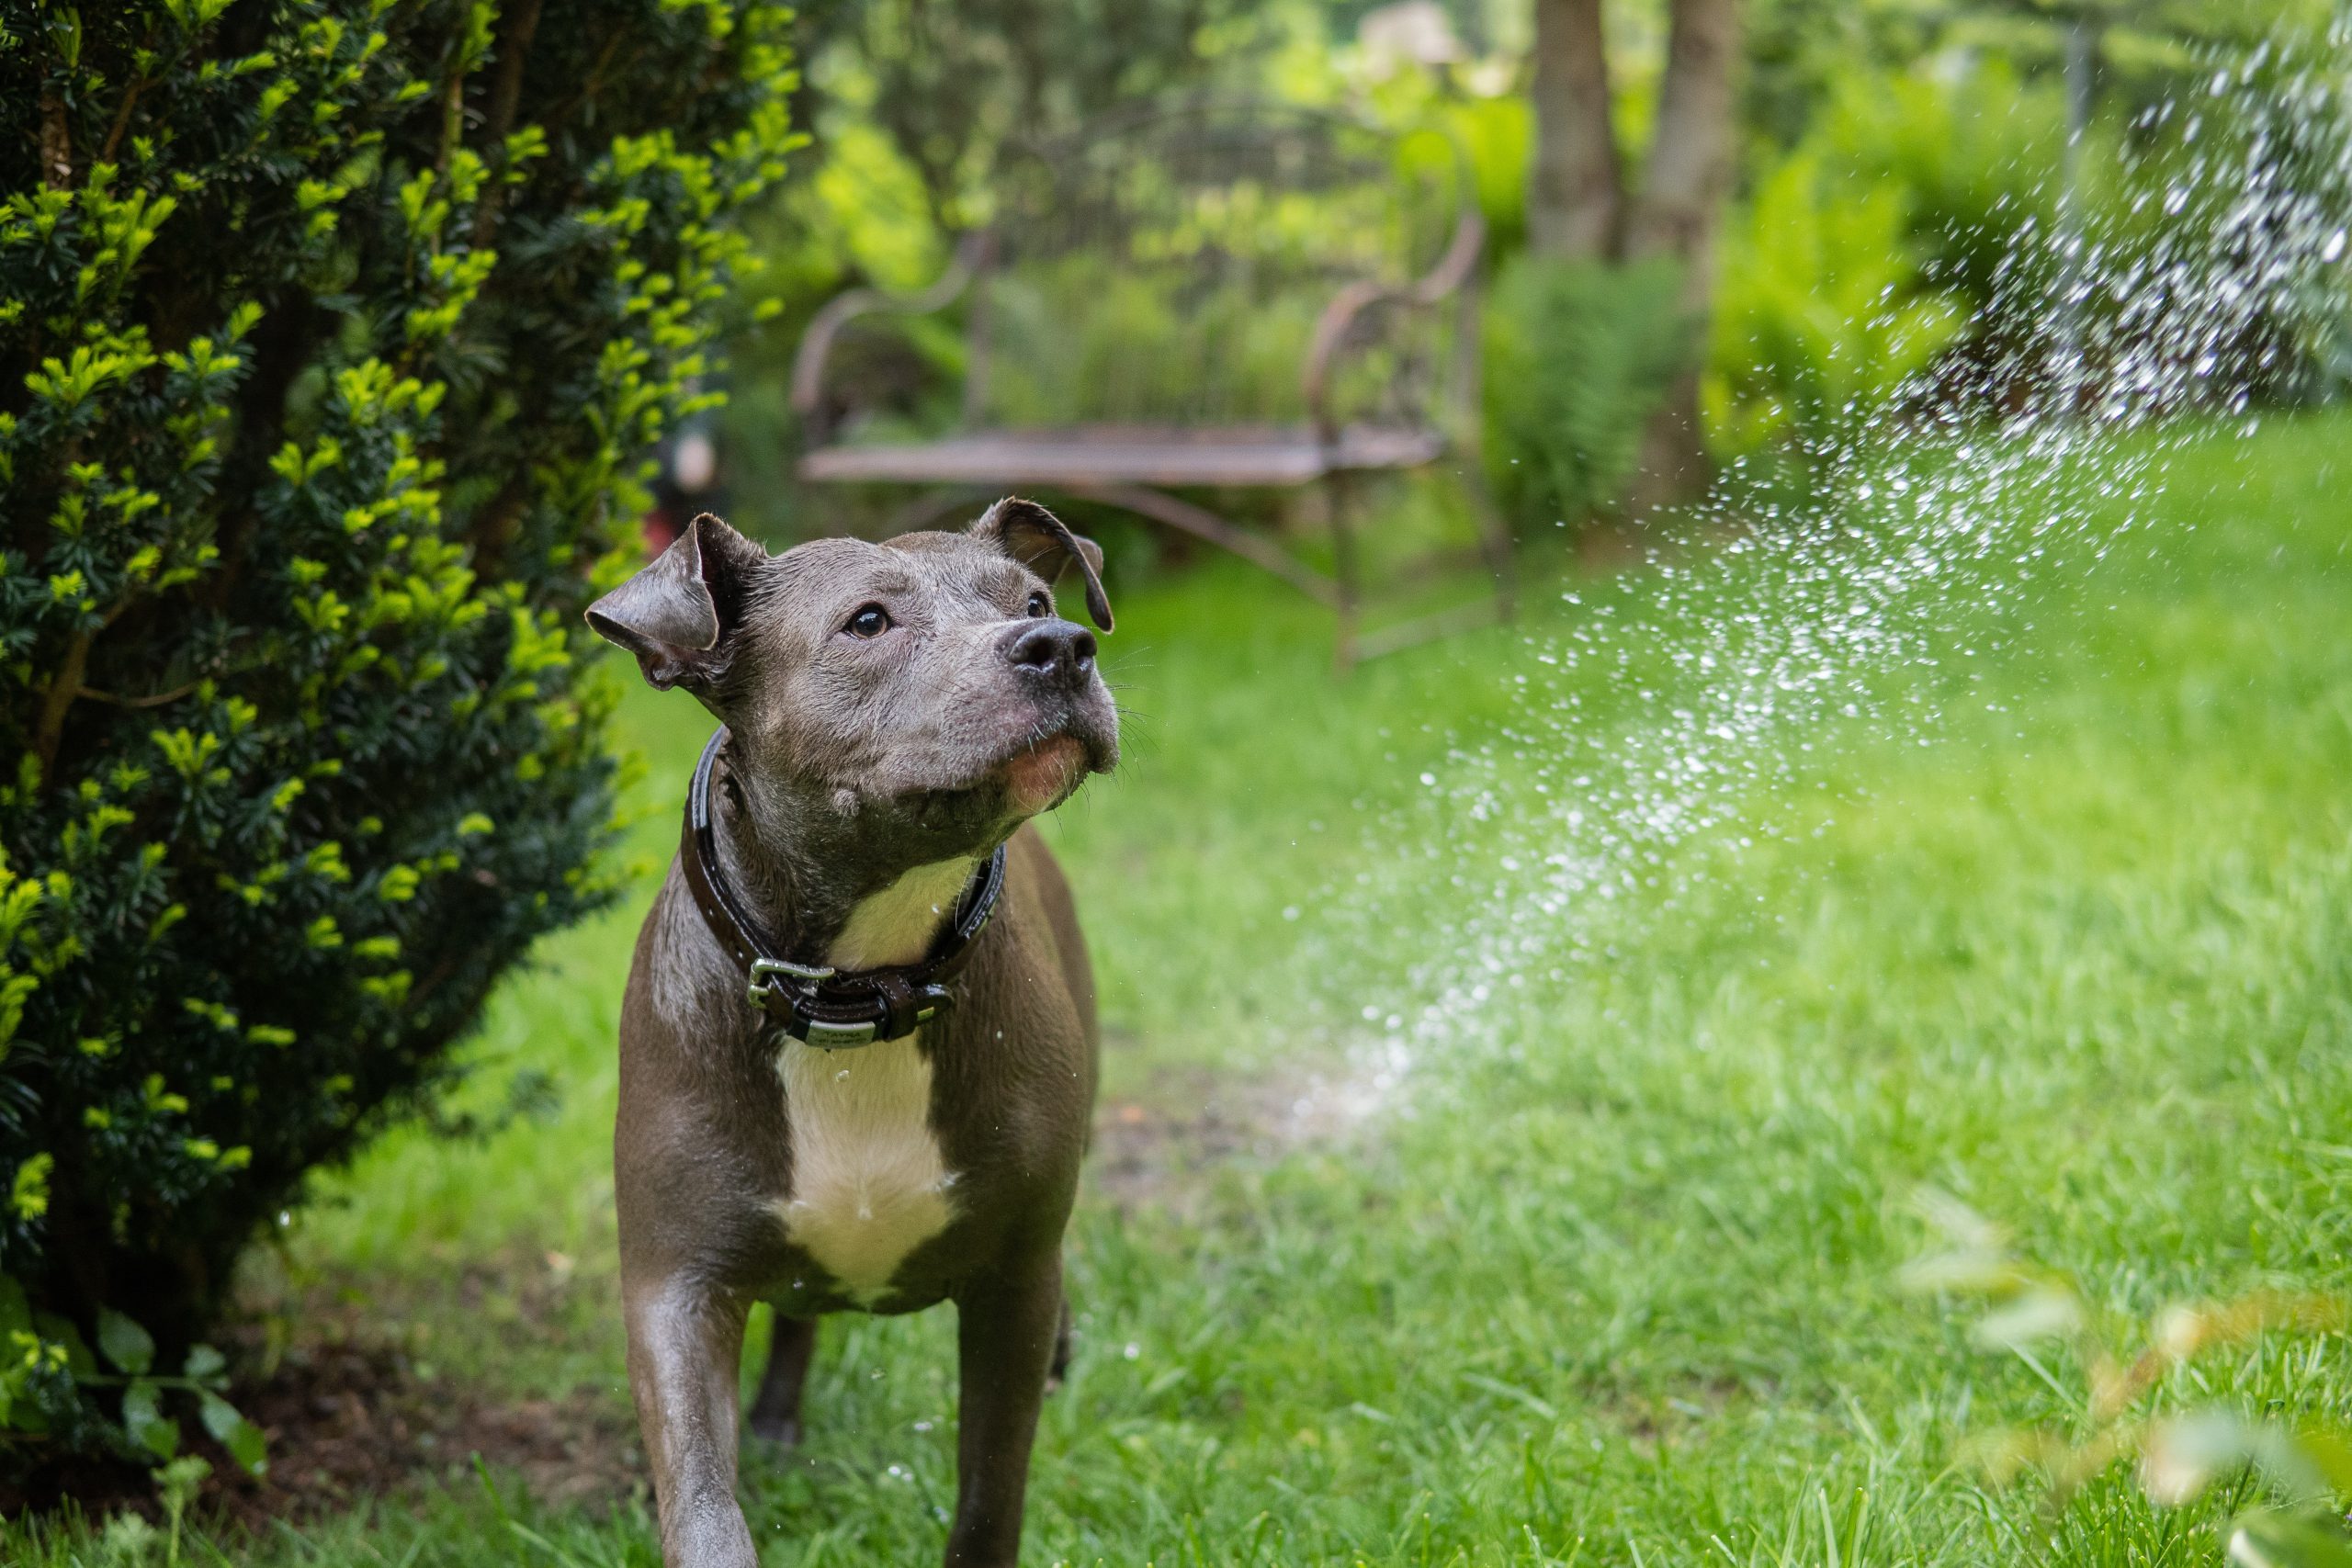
x=353 y=1419
x=1163 y=1147
x=347 y=1422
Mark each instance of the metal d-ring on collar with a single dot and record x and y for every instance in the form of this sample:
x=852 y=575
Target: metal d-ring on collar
x=826 y=1007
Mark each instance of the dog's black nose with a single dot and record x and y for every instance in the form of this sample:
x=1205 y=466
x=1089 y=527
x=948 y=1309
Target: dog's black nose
x=1053 y=650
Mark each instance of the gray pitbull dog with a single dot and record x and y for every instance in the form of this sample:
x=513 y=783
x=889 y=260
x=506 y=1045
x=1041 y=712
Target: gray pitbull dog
x=857 y=1053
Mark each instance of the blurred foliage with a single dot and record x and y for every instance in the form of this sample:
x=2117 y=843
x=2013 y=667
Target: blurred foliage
x=876 y=210
x=1804 y=55
x=950 y=83
x=1909 y=146
x=2306 y=1466
x=1081 y=338
x=1821 y=318
x=1173 y=270
x=334 y=335
x=909 y=104
x=1881 y=240
x=1578 y=355
x=1908 y=245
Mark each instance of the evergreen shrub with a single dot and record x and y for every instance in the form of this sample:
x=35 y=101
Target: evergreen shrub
x=334 y=338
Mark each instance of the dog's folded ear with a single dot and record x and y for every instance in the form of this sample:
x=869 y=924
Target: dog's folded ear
x=680 y=614
x=1043 y=542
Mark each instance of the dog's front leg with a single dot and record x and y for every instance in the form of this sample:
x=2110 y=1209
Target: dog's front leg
x=685 y=1347
x=1005 y=1341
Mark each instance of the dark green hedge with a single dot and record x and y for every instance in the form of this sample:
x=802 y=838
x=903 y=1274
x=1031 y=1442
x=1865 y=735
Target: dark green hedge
x=332 y=340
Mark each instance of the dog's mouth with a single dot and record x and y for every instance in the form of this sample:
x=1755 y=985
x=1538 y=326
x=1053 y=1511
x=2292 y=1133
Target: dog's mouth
x=1040 y=776
x=1029 y=778
x=1045 y=767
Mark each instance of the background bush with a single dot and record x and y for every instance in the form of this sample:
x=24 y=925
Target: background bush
x=332 y=335
x=1906 y=248
x=1578 y=355
x=1821 y=317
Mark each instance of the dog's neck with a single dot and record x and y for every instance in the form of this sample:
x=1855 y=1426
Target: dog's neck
x=901 y=923
x=804 y=878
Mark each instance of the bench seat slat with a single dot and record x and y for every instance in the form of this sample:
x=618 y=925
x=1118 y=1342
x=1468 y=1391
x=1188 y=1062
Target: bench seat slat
x=1110 y=454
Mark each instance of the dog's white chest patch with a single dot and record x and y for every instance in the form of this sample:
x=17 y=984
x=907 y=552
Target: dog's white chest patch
x=869 y=1184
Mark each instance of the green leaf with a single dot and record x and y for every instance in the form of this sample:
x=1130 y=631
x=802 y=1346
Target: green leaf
x=204 y=1363
x=21 y=1414
x=179 y=1482
x=2184 y=1454
x=2328 y=1451
x=2269 y=1539
x=65 y=33
x=2034 y=1314
x=15 y=1315
x=60 y=1331
x=243 y=1440
x=29 y=1194
x=145 y=1421
x=127 y=1344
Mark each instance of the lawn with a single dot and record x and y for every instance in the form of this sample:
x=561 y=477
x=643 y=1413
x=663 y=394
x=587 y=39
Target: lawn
x=1608 y=1272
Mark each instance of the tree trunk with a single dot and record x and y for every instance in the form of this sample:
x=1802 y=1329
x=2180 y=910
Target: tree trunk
x=1575 y=190
x=1680 y=208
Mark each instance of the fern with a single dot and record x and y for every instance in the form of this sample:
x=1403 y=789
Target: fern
x=1578 y=355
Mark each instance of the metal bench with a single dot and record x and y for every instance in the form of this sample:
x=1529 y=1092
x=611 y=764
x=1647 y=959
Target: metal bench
x=1195 y=300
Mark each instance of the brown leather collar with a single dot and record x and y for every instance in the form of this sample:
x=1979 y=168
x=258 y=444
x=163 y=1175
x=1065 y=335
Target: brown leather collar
x=826 y=1007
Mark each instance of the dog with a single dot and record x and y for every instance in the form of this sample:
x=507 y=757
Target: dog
x=858 y=1046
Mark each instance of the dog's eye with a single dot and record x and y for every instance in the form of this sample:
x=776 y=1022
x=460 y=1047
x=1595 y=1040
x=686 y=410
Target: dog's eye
x=1040 y=606
x=871 y=620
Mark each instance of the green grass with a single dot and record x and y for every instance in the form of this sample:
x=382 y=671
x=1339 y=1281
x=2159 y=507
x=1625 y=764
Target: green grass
x=1615 y=1281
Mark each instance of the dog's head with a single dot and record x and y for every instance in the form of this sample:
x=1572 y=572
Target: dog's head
x=920 y=696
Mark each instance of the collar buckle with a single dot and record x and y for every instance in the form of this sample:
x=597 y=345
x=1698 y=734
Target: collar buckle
x=765 y=971
x=774 y=980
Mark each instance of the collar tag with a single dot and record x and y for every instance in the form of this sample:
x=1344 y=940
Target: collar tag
x=835 y=1036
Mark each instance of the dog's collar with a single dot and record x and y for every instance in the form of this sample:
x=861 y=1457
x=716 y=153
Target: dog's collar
x=825 y=1007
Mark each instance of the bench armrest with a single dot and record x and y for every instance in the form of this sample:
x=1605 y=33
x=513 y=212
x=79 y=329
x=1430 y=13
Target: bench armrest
x=817 y=342
x=1338 y=323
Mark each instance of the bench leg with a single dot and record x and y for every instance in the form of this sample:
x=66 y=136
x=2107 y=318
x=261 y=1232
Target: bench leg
x=1346 y=571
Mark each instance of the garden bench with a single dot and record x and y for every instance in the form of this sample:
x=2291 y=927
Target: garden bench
x=1179 y=303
